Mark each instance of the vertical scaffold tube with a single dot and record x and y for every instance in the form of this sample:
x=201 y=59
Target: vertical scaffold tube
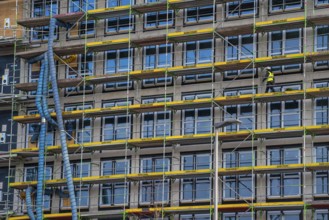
x=66 y=160
x=29 y=207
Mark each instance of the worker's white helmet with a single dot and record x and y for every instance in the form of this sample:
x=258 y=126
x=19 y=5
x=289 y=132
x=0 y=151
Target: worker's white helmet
x=267 y=68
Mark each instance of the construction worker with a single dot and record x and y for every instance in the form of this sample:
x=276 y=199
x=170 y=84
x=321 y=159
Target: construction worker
x=270 y=81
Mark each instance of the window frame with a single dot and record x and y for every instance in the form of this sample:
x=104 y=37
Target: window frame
x=130 y=66
x=50 y=177
x=240 y=55
x=198 y=77
x=285 y=175
x=283 y=51
x=240 y=12
x=322 y=173
x=50 y=131
x=322 y=110
x=78 y=27
x=197 y=20
x=77 y=188
x=132 y=17
x=82 y=71
x=271 y=11
x=239 y=115
x=196 y=115
x=154 y=183
x=319 y=65
x=237 y=179
x=77 y=129
x=113 y=185
x=283 y=214
x=158 y=81
x=195 y=181
x=129 y=126
x=282 y=114
x=148 y=100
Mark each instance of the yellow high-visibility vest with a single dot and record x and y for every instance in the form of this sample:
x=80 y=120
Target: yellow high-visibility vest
x=270 y=77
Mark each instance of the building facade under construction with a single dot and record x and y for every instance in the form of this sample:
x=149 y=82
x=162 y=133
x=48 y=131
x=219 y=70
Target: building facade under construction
x=151 y=109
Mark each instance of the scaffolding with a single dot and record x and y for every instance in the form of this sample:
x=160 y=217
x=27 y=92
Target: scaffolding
x=131 y=148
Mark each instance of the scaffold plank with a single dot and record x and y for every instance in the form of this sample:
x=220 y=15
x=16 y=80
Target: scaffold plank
x=179 y=174
x=110 y=12
x=237 y=207
x=150 y=7
x=58 y=216
x=316 y=20
x=318 y=166
x=108 y=45
x=295 y=131
x=193 y=35
x=34 y=22
x=282 y=24
x=233 y=30
x=181 y=4
x=177 y=105
x=71 y=18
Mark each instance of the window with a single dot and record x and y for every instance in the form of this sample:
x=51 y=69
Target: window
x=33 y=131
x=79 y=130
x=199 y=120
x=321 y=2
x=197 y=52
x=237 y=187
x=116 y=127
x=285 y=113
x=154 y=191
x=196 y=217
x=321 y=44
x=241 y=8
x=321 y=215
x=199 y=14
x=195 y=189
x=33 y=76
x=41 y=8
x=283 y=43
x=159 y=56
x=321 y=107
x=284 y=215
x=118 y=61
x=84 y=27
x=284 y=184
x=285 y=5
x=114 y=194
x=79 y=169
x=83 y=66
x=156 y=124
x=158 y=19
x=239 y=48
x=122 y=23
x=31 y=174
x=238 y=216
x=243 y=112
x=321 y=177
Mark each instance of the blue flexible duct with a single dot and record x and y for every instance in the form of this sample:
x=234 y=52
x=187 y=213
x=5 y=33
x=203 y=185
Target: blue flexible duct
x=39 y=90
x=41 y=169
x=36 y=59
x=42 y=142
x=29 y=203
x=66 y=160
x=45 y=93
